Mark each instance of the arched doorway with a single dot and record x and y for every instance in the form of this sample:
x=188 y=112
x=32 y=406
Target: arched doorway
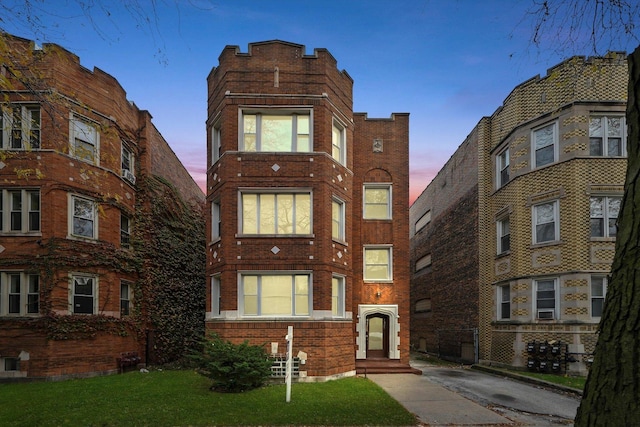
x=377 y=336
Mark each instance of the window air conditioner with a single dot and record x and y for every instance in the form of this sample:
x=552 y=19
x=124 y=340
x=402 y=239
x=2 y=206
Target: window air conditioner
x=546 y=314
x=129 y=176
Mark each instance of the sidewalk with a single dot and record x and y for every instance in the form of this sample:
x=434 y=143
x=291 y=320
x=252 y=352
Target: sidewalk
x=433 y=404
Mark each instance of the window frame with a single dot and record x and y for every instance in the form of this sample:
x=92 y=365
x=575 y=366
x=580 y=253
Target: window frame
x=215 y=295
x=216 y=142
x=94 y=292
x=340 y=222
x=504 y=305
x=339 y=148
x=338 y=292
x=554 y=144
x=423 y=262
x=81 y=129
x=216 y=220
x=126 y=299
x=276 y=193
x=501 y=235
x=537 y=300
x=25 y=293
x=556 y=222
x=127 y=171
x=260 y=294
x=30 y=129
x=606 y=218
x=26 y=211
x=604 y=142
x=260 y=113
x=503 y=163
x=389 y=275
x=597 y=298
x=389 y=203
x=125 y=233
x=71 y=228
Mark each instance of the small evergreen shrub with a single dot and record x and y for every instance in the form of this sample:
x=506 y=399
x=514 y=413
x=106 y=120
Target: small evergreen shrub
x=233 y=367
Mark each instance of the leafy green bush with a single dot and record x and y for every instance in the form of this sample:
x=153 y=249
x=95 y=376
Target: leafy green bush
x=233 y=367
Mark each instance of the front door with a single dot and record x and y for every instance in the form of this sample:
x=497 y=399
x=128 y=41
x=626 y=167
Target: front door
x=377 y=336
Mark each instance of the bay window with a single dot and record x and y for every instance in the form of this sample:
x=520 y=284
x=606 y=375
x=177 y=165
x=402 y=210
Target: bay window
x=83 y=218
x=19 y=210
x=607 y=136
x=603 y=214
x=20 y=127
x=275 y=294
x=19 y=293
x=283 y=213
x=276 y=131
x=546 y=222
x=545 y=143
x=84 y=140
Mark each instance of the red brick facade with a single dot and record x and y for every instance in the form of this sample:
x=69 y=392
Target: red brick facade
x=72 y=149
x=276 y=81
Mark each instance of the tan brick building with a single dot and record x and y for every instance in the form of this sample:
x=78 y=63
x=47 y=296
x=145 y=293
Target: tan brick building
x=549 y=176
x=73 y=153
x=307 y=201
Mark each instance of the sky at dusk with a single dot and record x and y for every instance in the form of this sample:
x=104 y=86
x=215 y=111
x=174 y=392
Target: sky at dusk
x=446 y=62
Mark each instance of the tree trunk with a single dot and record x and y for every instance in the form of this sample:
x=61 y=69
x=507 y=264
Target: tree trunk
x=612 y=393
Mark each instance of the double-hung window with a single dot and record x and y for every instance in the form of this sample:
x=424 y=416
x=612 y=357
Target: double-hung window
x=19 y=294
x=215 y=296
x=377 y=201
x=337 y=296
x=545 y=143
x=127 y=165
x=126 y=294
x=598 y=294
x=20 y=127
x=502 y=168
x=19 y=211
x=276 y=131
x=125 y=231
x=378 y=263
x=338 y=142
x=603 y=216
x=503 y=229
x=84 y=140
x=276 y=294
x=337 y=219
x=83 y=218
x=84 y=294
x=216 y=220
x=546 y=223
x=216 y=143
x=504 y=302
x=286 y=213
x=607 y=136
x=546 y=299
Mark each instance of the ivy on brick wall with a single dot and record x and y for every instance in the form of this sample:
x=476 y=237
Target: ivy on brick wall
x=170 y=239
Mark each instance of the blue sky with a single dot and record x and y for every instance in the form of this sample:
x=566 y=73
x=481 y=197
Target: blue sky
x=446 y=62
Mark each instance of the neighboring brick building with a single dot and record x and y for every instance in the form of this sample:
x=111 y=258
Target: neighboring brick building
x=549 y=176
x=308 y=206
x=73 y=153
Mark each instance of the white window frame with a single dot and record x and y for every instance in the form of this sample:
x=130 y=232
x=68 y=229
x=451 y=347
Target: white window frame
x=500 y=234
x=556 y=221
x=216 y=220
x=389 y=275
x=423 y=221
x=338 y=142
x=72 y=233
x=554 y=144
x=604 y=142
x=26 y=211
x=126 y=298
x=85 y=131
x=338 y=295
x=216 y=142
x=606 y=216
x=259 y=114
x=298 y=229
x=338 y=224
x=72 y=292
x=537 y=310
x=29 y=127
x=502 y=168
x=215 y=295
x=593 y=298
x=127 y=171
x=125 y=231
x=504 y=302
x=25 y=293
x=295 y=310
x=389 y=204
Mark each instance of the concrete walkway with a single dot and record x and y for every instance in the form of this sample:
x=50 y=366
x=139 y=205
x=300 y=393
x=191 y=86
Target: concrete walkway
x=433 y=404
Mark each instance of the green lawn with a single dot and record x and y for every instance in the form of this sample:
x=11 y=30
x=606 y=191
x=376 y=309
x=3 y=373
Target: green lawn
x=181 y=398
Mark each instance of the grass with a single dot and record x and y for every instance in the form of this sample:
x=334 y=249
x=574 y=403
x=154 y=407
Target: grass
x=180 y=398
x=565 y=380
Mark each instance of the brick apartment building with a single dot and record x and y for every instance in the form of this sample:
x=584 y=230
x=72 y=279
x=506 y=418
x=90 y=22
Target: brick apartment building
x=74 y=153
x=516 y=234
x=308 y=212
